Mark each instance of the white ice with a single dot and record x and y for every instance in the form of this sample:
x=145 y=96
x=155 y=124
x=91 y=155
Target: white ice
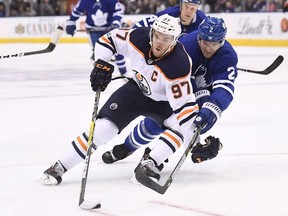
x=46 y=101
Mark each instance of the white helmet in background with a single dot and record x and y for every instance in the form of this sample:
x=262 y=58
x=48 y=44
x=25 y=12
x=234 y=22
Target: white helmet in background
x=169 y=25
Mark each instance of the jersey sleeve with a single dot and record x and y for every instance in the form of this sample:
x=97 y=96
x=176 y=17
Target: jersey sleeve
x=146 y=22
x=78 y=10
x=118 y=13
x=182 y=99
x=223 y=82
x=115 y=41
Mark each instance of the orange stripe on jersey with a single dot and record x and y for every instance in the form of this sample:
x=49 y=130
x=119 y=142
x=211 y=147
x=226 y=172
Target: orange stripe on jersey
x=185 y=112
x=105 y=40
x=179 y=78
x=139 y=51
x=176 y=141
x=81 y=143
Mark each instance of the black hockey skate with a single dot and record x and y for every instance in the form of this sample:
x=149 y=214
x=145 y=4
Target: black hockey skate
x=53 y=175
x=119 y=152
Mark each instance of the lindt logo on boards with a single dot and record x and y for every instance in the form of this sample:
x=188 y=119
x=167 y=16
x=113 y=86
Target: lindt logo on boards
x=249 y=27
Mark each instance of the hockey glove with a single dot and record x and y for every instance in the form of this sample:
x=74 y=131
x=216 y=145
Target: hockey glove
x=115 y=25
x=101 y=75
x=207 y=151
x=207 y=116
x=202 y=96
x=70 y=27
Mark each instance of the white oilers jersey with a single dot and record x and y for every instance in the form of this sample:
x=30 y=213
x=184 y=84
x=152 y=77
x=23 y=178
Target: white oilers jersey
x=163 y=79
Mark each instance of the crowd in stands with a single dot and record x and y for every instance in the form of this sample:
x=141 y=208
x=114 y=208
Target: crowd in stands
x=19 y=8
x=16 y=8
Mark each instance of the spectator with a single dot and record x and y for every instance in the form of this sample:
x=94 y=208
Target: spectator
x=46 y=9
x=16 y=8
x=285 y=5
x=160 y=6
x=260 y=6
x=2 y=9
x=229 y=7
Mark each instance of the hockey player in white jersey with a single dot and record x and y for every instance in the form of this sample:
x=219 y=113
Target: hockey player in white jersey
x=160 y=89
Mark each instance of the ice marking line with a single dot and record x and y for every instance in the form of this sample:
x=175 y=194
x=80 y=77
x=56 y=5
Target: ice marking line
x=185 y=208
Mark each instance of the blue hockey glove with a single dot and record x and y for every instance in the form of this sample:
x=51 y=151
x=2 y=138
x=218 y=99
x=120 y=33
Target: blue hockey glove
x=207 y=151
x=70 y=27
x=101 y=75
x=202 y=96
x=207 y=116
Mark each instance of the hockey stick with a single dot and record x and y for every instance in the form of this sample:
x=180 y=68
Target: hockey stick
x=51 y=46
x=95 y=29
x=148 y=182
x=269 y=69
x=82 y=203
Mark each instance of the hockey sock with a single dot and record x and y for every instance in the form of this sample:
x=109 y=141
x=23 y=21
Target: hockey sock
x=75 y=153
x=142 y=134
x=167 y=144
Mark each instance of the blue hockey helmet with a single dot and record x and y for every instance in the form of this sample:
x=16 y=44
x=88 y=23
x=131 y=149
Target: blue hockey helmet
x=190 y=1
x=212 y=29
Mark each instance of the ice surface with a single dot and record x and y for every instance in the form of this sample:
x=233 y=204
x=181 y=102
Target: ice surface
x=46 y=101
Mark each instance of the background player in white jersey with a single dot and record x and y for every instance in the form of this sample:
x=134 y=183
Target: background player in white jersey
x=101 y=14
x=213 y=74
x=160 y=89
x=188 y=13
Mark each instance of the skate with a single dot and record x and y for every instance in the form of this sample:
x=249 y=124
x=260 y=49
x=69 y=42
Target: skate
x=119 y=152
x=53 y=175
x=148 y=165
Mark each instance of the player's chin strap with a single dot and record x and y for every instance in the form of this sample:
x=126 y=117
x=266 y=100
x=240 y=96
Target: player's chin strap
x=148 y=182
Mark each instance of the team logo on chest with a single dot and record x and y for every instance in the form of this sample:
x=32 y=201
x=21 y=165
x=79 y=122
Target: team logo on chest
x=142 y=83
x=201 y=77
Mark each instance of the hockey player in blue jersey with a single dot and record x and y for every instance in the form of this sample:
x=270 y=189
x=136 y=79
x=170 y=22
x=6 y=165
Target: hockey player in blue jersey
x=160 y=89
x=213 y=74
x=100 y=14
x=187 y=12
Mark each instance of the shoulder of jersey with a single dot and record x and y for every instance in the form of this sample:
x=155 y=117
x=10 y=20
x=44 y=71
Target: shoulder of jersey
x=201 y=14
x=189 y=40
x=176 y=64
x=139 y=37
x=228 y=50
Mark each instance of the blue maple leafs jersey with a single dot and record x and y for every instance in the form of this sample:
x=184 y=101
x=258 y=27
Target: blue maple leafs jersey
x=217 y=73
x=175 y=12
x=99 y=12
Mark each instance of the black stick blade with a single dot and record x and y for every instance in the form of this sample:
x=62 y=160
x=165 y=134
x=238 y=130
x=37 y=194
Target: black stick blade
x=148 y=182
x=274 y=65
x=269 y=69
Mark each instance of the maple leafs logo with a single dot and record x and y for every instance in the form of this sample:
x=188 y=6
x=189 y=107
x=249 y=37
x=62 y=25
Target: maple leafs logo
x=200 y=76
x=99 y=18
